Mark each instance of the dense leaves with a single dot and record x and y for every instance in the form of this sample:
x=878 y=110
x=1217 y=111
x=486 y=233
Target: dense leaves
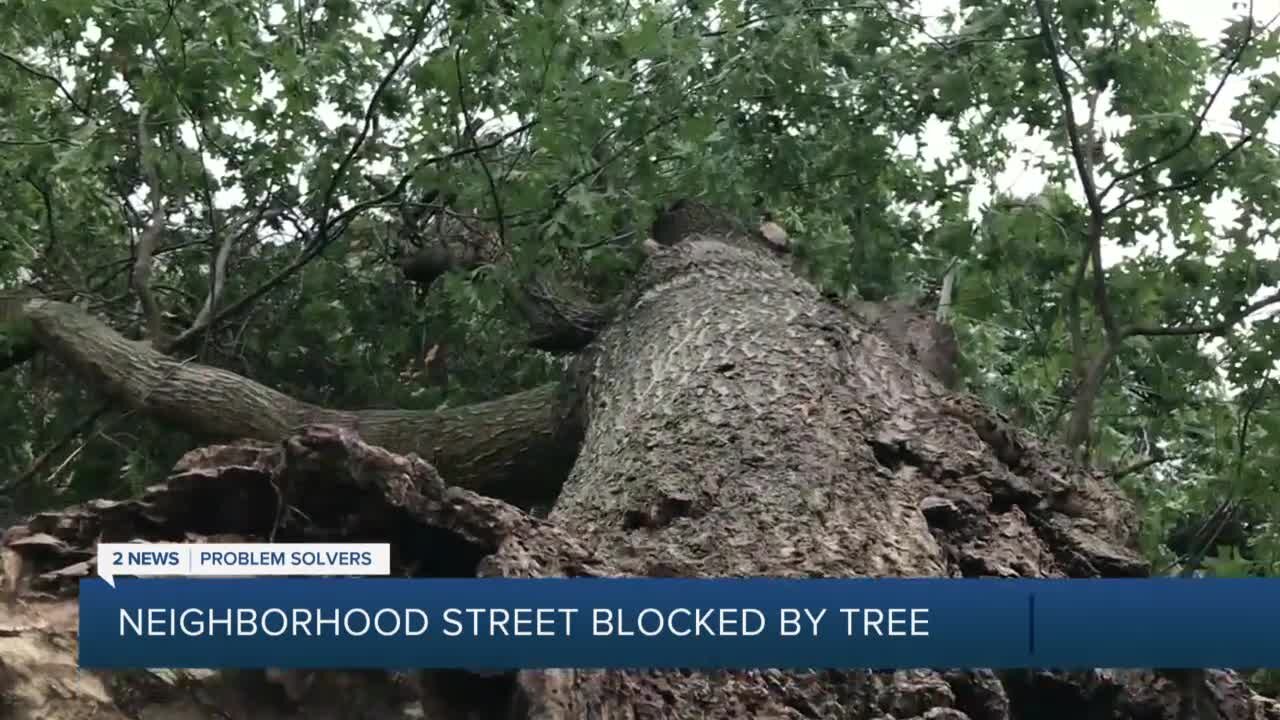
x=290 y=141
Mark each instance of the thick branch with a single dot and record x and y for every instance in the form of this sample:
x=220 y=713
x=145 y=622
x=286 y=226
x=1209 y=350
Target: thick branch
x=1079 y=428
x=433 y=260
x=1073 y=316
x=943 y=313
x=1100 y=299
x=517 y=447
x=560 y=322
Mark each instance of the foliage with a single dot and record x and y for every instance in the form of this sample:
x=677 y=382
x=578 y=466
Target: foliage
x=292 y=134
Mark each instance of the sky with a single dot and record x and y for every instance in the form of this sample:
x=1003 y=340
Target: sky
x=1206 y=18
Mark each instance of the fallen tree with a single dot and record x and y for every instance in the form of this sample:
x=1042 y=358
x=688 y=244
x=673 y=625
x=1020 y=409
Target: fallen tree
x=728 y=421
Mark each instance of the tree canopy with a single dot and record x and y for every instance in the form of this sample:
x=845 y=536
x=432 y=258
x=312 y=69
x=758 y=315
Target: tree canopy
x=350 y=201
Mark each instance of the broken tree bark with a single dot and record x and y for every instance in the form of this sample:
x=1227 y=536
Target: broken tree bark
x=322 y=485
x=337 y=487
x=735 y=423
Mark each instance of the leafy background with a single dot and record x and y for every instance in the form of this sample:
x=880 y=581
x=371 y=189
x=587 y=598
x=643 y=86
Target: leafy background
x=894 y=140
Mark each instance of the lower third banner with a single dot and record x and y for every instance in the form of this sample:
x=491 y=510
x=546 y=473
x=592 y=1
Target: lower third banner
x=687 y=623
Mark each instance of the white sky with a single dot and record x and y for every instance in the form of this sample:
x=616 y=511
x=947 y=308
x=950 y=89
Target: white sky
x=1207 y=19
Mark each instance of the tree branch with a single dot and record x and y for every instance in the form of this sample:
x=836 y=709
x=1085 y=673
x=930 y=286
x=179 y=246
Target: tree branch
x=1100 y=298
x=369 y=113
x=1196 y=178
x=1218 y=328
x=1080 y=154
x=216 y=282
x=521 y=445
x=1242 y=438
x=560 y=192
x=315 y=247
x=51 y=229
x=1141 y=465
x=560 y=321
x=218 y=264
x=471 y=138
x=141 y=278
x=1198 y=127
x=1078 y=151
x=1073 y=315
x=39 y=463
x=46 y=76
x=1080 y=425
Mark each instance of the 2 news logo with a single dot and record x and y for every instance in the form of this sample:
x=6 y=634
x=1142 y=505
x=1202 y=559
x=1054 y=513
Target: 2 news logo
x=147 y=558
x=242 y=559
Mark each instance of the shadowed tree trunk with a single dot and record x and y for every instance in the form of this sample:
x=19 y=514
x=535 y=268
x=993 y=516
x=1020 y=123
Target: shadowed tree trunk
x=729 y=421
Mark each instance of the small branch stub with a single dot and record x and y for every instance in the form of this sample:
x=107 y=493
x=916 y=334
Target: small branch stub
x=773 y=234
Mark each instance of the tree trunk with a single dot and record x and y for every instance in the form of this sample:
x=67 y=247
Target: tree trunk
x=734 y=423
x=738 y=424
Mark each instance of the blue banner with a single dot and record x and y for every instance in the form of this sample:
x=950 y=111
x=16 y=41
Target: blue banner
x=686 y=623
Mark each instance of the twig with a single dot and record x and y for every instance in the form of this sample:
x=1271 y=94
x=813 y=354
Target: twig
x=1195 y=179
x=471 y=138
x=1141 y=465
x=39 y=463
x=46 y=76
x=34 y=143
x=1198 y=127
x=1218 y=328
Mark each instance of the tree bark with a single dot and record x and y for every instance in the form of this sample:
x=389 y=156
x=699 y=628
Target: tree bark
x=1080 y=424
x=737 y=424
x=734 y=423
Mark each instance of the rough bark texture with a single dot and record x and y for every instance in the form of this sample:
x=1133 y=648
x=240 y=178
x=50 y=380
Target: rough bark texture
x=322 y=485
x=738 y=424
x=735 y=424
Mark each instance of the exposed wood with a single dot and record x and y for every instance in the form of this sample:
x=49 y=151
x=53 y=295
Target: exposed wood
x=342 y=487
